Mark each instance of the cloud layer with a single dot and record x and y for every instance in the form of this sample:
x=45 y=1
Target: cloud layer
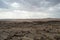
x=29 y=9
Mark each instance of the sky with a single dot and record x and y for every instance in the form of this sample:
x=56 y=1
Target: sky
x=29 y=9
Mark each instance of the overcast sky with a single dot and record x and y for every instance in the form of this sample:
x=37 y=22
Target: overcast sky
x=22 y=9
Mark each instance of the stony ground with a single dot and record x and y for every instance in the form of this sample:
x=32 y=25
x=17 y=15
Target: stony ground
x=35 y=30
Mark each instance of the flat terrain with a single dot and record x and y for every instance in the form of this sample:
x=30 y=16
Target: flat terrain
x=46 y=29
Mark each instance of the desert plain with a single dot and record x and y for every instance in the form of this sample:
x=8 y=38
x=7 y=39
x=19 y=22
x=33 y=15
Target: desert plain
x=30 y=29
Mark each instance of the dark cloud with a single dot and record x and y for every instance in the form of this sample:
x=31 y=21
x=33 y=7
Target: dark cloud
x=54 y=1
x=3 y=5
x=31 y=4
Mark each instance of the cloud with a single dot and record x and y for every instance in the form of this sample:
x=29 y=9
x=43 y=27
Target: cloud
x=29 y=8
x=3 y=4
x=30 y=5
x=14 y=5
x=17 y=14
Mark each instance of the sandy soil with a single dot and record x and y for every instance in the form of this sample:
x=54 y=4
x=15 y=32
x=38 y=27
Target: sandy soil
x=30 y=30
